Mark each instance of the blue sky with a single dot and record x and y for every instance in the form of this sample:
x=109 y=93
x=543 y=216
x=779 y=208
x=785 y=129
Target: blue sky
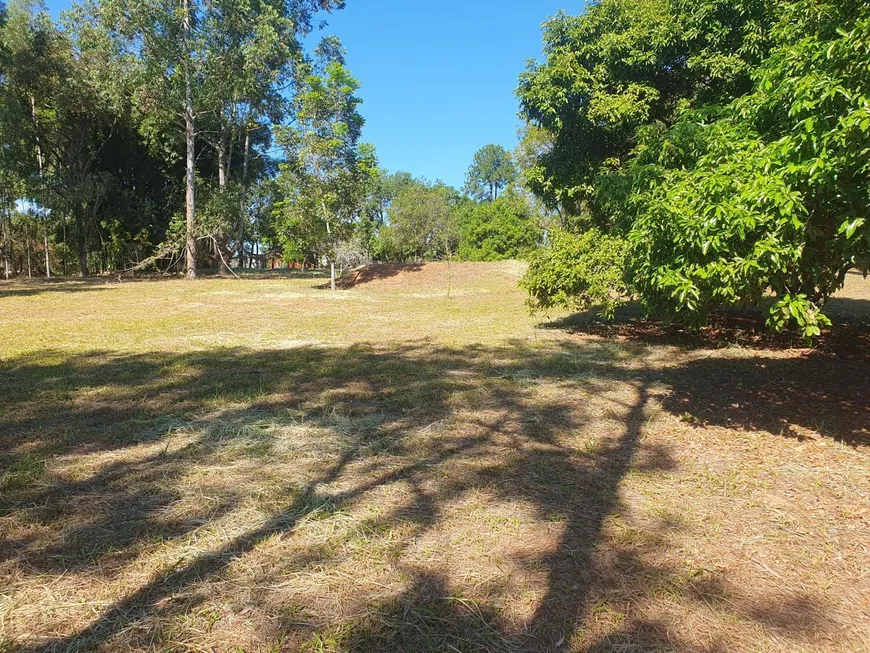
x=438 y=78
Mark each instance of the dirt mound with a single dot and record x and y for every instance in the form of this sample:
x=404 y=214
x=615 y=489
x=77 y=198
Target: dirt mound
x=377 y=272
x=430 y=274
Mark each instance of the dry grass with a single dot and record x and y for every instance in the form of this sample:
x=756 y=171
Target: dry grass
x=263 y=465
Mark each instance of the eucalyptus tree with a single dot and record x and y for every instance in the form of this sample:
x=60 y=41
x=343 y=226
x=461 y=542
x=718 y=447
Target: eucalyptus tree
x=252 y=57
x=33 y=73
x=153 y=46
x=66 y=108
x=382 y=191
x=423 y=220
x=197 y=63
x=714 y=152
x=327 y=170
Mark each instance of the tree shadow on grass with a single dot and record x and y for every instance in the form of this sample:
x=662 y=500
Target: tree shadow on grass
x=37 y=288
x=823 y=391
x=432 y=425
x=820 y=394
x=849 y=310
x=743 y=328
x=736 y=328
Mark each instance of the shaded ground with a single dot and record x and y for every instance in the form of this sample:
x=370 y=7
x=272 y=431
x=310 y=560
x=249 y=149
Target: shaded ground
x=378 y=272
x=205 y=472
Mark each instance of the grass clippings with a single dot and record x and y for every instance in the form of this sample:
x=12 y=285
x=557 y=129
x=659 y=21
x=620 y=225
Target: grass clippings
x=262 y=465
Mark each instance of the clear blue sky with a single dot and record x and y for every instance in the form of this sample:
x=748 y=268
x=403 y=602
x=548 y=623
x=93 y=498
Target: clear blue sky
x=438 y=78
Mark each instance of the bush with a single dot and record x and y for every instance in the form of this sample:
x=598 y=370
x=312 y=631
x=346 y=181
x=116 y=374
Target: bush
x=495 y=231
x=578 y=271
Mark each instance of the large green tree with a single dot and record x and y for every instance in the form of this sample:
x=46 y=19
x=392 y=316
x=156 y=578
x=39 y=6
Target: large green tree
x=32 y=71
x=423 y=221
x=775 y=192
x=725 y=143
x=620 y=68
x=251 y=54
x=507 y=228
x=71 y=141
x=154 y=44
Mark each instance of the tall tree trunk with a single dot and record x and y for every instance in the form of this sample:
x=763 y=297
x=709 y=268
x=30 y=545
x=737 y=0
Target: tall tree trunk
x=39 y=162
x=189 y=138
x=243 y=203
x=27 y=248
x=45 y=244
x=63 y=257
x=331 y=258
x=7 y=251
x=449 y=275
x=220 y=245
x=81 y=247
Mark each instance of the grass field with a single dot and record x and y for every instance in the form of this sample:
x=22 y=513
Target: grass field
x=265 y=465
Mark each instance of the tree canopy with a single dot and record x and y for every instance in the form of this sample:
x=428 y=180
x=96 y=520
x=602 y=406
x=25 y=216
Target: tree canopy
x=327 y=171
x=490 y=172
x=726 y=143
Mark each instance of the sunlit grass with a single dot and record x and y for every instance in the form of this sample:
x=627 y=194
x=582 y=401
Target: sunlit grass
x=264 y=465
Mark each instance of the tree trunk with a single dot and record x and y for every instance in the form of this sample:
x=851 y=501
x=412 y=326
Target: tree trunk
x=81 y=247
x=63 y=258
x=243 y=204
x=7 y=254
x=329 y=233
x=220 y=245
x=449 y=276
x=189 y=136
x=39 y=162
x=45 y=242
x=27 y=248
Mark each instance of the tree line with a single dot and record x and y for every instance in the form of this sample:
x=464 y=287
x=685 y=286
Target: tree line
x=693 y=155
x=176 y=136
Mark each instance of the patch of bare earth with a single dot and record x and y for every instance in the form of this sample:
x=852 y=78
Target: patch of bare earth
x=626 y=488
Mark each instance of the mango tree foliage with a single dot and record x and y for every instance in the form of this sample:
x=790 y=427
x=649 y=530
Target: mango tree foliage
x=734 y=166
x=577 y=271
x=621 y=66
x=778 y=197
